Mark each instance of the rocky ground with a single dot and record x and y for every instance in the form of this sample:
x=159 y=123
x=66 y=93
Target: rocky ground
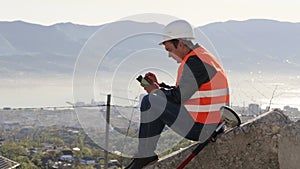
x=270 y=141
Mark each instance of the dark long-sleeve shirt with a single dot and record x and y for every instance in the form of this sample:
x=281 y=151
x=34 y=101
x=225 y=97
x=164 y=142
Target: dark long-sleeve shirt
x=194 y=74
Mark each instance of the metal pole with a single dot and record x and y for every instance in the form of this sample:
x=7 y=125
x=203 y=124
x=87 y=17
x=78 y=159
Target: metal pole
x=107 y=130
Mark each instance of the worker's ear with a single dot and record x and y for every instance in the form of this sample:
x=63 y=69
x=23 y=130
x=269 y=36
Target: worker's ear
x=180 y=44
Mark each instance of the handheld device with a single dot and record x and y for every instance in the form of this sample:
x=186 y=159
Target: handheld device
x=142 y=80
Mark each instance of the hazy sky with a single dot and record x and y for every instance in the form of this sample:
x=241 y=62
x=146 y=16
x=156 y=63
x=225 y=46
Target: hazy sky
x=97 y=12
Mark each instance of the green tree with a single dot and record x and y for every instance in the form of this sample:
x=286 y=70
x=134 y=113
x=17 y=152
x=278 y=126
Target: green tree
x=12 y=150
x=56 y=141
x=25 y=163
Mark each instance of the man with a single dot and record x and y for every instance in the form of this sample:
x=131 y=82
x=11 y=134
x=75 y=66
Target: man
x=192 y=107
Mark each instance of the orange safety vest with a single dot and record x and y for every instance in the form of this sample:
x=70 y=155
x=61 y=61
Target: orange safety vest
x=204 y=105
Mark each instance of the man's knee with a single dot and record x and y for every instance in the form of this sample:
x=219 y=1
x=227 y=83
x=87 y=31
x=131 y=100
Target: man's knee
x=158 y=102
x=145 y=103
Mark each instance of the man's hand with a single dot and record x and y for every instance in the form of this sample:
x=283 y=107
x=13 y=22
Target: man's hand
x=150 y=88
x=151 y=78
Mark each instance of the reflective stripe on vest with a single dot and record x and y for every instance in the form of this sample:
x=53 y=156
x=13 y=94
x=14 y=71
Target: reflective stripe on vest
x=210 y=93
x=204 y=108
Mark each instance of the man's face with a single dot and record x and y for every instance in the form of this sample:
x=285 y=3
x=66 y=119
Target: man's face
x=175 y=53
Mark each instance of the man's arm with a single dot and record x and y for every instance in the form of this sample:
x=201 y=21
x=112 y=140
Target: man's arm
x=194 y=74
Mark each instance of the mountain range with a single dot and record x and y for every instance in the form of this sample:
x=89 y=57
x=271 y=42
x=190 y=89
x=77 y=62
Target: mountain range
x=257 y=43
x=261 y=57
x=244 y=46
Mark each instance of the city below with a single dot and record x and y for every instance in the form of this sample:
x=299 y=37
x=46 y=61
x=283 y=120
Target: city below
x=60 y=136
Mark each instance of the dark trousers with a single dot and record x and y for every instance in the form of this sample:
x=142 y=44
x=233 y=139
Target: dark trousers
x=156 y=112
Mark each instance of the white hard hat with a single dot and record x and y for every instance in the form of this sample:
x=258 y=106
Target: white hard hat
x=179 y=29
